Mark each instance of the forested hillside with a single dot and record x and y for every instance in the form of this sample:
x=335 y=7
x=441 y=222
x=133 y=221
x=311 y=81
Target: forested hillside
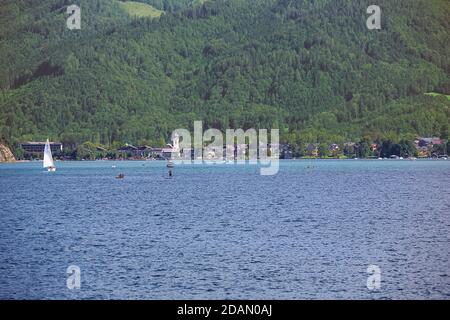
x=308 y=67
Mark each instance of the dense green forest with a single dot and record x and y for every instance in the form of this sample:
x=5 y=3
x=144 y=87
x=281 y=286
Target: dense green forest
x=308 y=67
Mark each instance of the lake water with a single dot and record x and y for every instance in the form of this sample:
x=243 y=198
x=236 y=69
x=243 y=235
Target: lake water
x=226 y=232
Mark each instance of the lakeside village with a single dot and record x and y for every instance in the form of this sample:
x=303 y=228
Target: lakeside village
x=422 y=147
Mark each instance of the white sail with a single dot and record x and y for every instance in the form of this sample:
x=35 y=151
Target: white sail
x=48 y=159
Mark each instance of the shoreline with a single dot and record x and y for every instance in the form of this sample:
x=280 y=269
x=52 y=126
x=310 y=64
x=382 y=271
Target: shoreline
x=298 y=159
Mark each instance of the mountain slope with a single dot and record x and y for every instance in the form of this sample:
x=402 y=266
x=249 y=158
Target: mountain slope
x=310 y=68
x=138 y=9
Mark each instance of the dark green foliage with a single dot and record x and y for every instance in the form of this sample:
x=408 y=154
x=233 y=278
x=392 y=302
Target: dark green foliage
x=310 y=68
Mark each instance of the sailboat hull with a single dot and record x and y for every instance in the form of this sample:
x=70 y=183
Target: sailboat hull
x=51 y=169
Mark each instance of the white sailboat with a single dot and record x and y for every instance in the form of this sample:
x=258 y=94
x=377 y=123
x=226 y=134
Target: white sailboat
x=48 y=159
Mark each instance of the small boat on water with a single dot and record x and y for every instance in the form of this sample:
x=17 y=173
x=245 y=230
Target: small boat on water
x=120 y=176
x=48 y=159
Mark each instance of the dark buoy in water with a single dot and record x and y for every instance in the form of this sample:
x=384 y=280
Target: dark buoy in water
x=170 y=166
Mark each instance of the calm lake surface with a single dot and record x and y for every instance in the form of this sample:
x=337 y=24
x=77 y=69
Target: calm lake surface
x=224 y=231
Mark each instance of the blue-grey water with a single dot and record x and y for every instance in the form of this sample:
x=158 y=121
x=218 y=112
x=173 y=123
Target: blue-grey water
x=226 y=232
